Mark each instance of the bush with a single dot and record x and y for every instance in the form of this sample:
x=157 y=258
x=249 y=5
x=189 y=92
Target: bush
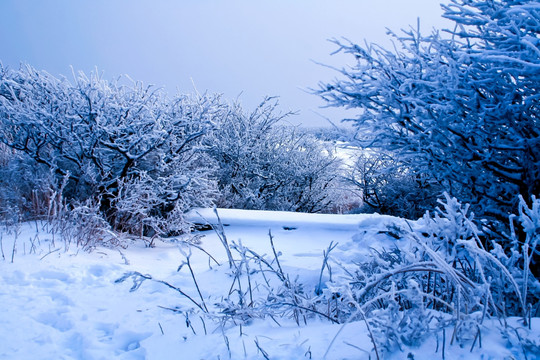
x=268 y=166
x=390 y=188
x=459 y=106
x=404 y=292
x=125 y=146
x=145 y=158
x=27 y=189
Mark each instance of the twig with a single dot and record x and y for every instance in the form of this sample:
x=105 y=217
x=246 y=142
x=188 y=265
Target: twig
x=2 y=246
x=221 y=235
x=226 y=342
x=206 y=252
x=477 y=337
x=188 y=323
x=188 y=263
x=370 y=334
x=126 y=261
x=33 y=243
x=332 y=246
x=356 y=347
x=138 y=279
x=334 y=339
x=443 y=342
x=313 y=311
x=359 y=311
x=245 y=261
x=264 y=353
x=308 y=352
x=50 y=252
x=14 y=245
x=275 y=254
x=529 y=309
x=204 y=325
x=262 y=260
x=171 y=309
x=521 y=343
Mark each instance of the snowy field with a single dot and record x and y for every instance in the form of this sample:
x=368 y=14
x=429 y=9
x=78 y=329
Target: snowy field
x=59 y=302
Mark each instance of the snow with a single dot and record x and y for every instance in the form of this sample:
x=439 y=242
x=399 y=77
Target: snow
x=59 y=302
x=273 y=219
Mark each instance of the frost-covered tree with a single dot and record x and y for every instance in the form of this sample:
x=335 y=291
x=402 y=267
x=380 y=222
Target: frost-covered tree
x=459 y=106
x=266 y=165
x=127 y=146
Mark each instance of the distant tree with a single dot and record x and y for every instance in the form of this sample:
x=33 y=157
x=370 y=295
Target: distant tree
x=266 y=165
x=128 y=147
x=459 y=107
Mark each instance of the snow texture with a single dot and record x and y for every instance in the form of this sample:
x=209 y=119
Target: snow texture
x=63 y=303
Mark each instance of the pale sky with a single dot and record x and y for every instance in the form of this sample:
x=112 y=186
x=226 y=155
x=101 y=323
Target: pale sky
x=245 y=49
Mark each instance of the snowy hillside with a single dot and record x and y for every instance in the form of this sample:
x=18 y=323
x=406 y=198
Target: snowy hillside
x=62 y=303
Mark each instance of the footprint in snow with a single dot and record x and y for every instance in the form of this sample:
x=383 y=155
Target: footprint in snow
x=55 y=319
x=60 y=298
x=106 y=331
x=129 y=341
x=53 y=275
x=122 y=341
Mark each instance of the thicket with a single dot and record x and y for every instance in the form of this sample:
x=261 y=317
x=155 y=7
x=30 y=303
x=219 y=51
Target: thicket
x=389 y=187
x=455 y=111
x=125 y=147
x=141 y=159
x=266 y=165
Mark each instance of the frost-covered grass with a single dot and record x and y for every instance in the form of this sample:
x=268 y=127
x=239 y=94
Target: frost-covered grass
x=279 y=298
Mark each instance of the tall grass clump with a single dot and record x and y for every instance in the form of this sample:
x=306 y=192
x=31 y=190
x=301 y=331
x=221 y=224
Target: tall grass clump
x=446 y=275
x=440 y=280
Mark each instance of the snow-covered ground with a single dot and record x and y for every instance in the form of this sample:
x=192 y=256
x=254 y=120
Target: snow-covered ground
x=60 y=303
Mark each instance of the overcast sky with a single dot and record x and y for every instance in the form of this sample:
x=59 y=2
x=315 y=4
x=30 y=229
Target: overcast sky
x=241 y=48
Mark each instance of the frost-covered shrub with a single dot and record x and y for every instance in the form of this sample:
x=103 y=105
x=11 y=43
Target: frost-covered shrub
x=460 y=106
x=102 y=135
x=85 y=227
x=269 y=166
x=159 y=203
x=508 y=276
x=445 y=268
x=28 y=190
x=388 y=187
